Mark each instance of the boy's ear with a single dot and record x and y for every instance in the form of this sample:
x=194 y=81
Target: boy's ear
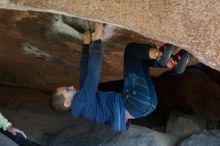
x=67 y=103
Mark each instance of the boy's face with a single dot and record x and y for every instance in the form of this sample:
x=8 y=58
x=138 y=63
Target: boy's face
x=67 y=92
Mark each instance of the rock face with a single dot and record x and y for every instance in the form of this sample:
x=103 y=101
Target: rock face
x=46 y=49
x=41 y=51
x=96 y=135
x=182 y=125
x=196 y=91
x=193 y=25
x=206 y=138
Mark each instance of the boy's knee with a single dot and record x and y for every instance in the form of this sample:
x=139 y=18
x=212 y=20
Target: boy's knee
x=129 y=48
x=153 y=105
x=131 y=45
x=151 y=108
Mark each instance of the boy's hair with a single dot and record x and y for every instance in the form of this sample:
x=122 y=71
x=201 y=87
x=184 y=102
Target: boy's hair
x=57 y=102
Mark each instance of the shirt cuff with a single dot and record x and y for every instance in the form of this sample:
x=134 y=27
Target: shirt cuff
x=6 y=125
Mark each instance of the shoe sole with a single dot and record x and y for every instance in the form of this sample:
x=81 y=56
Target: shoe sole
x=181 y=66
x=164 y=60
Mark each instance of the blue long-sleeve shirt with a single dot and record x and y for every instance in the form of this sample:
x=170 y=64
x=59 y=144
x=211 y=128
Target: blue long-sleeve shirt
x=93 y=105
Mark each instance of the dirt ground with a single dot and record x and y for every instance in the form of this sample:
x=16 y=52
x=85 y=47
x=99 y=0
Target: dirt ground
x=29 y=111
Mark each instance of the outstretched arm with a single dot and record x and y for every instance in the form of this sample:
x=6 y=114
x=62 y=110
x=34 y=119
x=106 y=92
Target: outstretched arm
x=84 y=57
x=90 y=84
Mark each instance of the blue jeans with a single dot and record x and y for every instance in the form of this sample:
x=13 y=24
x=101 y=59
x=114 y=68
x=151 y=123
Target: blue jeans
x=139 y=94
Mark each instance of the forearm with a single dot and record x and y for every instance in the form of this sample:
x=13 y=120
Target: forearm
x=95 y=57
x=93 y=74
x=4 y=123
x=84 y=63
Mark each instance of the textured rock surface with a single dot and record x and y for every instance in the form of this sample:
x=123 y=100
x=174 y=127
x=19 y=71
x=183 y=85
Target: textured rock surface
x=196 y=91
x=206 y=138
x=193 y=25
x=38 y=50
x=182 y=125
x=95 y=135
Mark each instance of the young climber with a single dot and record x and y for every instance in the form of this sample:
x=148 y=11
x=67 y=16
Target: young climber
x=113 y=109
x=11 y=136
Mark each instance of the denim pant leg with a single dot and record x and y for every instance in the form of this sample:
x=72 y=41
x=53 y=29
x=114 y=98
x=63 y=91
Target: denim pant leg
x=139 y=95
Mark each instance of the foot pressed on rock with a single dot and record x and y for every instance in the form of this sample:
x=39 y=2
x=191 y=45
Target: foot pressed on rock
x=98 y=31
x=87 y=38
x=165 y=53
x=180 y=60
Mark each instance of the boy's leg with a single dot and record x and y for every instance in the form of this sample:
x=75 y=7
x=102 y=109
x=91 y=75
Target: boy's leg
x=139 y=100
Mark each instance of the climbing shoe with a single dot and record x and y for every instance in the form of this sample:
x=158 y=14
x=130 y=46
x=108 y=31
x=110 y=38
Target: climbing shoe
x=181 y=60
x=165 y=53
